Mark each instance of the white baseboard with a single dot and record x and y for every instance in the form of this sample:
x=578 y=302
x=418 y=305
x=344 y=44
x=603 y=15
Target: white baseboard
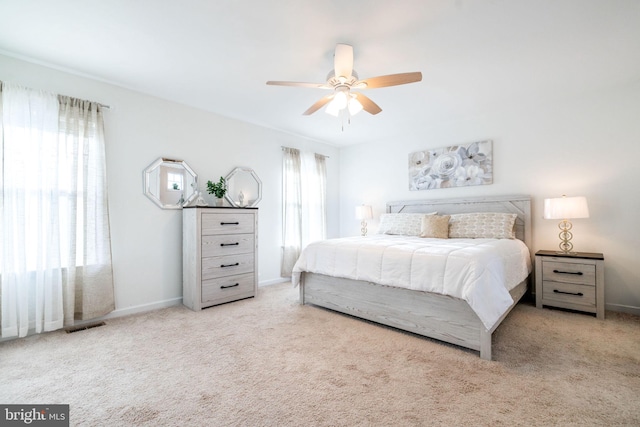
x=159 y=304
x=274 y=281
x=623 y=308
x=118 y=313
x=162 y=304
x=136 y=309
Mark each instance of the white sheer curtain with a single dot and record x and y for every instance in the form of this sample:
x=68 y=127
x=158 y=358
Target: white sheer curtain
x=313 y=181
x=304 y=197
x=55 y=255
x=291 y=210
x=321 y=172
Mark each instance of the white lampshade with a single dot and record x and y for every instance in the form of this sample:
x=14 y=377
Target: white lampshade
x=566 y=208
x=342 y=100
x=354 y=106
x=332 y=109
x=364 y=212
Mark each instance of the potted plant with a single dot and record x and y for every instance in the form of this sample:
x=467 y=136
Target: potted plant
x=218 y=190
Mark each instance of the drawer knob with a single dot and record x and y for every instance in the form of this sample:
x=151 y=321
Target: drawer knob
x=578 y=273
x=229 y=286
x=230 y=265
x=578 y=294
x=229 y=223
x=229 y=244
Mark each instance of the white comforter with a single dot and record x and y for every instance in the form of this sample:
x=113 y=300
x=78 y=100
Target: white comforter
x=479 y=271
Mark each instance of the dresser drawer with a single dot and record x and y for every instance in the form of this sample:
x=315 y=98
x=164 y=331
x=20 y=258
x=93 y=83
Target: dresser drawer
x=568 y=293
x=584 y=274
x=225 y=289
x=227 y=223
x=227 y=244
x=228 y=265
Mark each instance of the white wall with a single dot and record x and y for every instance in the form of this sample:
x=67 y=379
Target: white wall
x=146 y=240
x=586 y=146
x=581 y=146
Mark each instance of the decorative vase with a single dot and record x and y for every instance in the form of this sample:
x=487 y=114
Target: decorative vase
x=200 y=200
x=219 y=201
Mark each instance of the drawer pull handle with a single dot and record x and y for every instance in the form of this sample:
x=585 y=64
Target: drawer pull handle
x=229 y=223
x=578 y=273
x=229 y=244
x=230 y=286
x=230 y=265
x=578 y=294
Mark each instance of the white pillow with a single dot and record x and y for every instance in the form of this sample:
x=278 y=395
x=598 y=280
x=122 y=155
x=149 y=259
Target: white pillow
x=406 y=224
x=482 y=225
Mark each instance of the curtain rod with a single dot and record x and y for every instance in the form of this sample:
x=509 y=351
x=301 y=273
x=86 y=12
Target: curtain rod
x=283 y=147
x=106 y=107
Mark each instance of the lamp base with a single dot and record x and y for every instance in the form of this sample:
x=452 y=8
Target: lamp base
x=565 y=237
x=363 y=230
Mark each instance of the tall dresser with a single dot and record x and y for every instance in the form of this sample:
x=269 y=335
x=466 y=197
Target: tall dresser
x=219 y=255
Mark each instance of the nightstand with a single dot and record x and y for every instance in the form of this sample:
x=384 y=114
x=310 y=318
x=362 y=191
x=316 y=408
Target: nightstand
x=574 y=281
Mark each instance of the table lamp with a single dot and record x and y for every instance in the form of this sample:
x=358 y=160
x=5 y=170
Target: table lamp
x=363 y=213
x=565 y=208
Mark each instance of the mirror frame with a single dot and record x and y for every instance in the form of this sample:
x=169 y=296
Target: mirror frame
x=147 y=182
x=253 y=174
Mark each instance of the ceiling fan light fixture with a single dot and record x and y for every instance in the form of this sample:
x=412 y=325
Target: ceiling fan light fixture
x=354 y=105
x=340 y=100
x=332 y=109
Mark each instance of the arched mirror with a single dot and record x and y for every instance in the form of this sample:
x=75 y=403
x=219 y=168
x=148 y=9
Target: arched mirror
x=170 y=183
x=244 y=188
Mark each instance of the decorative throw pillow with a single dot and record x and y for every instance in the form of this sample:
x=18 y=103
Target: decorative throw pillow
x=406 y=224
x=487 y=225
x=435 y=226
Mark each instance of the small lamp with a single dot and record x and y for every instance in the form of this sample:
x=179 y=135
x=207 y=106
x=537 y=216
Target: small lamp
x=565 y=208
x=363 y=213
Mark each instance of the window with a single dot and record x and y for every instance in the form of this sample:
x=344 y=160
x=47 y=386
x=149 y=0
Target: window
x=304 y=178
x=55 y=250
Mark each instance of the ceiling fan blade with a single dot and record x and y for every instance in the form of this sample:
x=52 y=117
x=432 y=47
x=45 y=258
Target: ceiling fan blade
x=318 y=105
x=367 y=104
x=343 y=61
x=389 y=80
x=299 y=84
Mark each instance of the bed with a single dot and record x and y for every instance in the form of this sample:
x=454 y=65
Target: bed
x=434 y=315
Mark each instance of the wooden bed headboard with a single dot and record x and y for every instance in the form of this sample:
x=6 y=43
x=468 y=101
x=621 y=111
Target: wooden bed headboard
x=520 y=205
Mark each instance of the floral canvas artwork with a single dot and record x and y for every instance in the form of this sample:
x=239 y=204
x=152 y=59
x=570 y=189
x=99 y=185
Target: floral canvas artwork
x=454 y=166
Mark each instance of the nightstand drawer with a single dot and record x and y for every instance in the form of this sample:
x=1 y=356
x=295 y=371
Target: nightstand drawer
x=569 y=293
x=583 y=274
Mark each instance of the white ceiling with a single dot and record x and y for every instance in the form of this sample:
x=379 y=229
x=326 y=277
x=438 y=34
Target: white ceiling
x=475 y=55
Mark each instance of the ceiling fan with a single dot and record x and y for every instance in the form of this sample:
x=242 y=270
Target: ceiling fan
x=343 y=79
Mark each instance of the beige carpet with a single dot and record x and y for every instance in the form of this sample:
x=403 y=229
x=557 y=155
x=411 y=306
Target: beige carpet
x=268 y=361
